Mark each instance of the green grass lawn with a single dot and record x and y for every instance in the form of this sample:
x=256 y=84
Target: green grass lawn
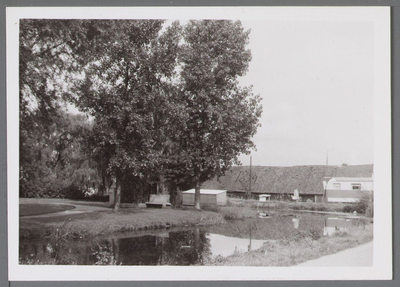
x=108 y=222
x=38 y=209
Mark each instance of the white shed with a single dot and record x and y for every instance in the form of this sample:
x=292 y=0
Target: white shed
x=208 y=197
x=264 y=197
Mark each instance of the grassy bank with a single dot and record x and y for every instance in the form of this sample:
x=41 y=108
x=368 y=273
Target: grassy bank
x=332 y=207
x=108 y=222
x=243 y=212
x=359 y=207
x=300 y=247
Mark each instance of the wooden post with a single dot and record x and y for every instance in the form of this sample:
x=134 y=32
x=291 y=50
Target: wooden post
x=250 y=179
x=197 y=197
x=117 y=195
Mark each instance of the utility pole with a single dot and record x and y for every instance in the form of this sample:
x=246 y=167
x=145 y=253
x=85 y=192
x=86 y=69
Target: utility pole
x=250 y=179
x=327 y=157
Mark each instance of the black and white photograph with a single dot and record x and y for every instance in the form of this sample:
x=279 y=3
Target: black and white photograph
x=225 y=143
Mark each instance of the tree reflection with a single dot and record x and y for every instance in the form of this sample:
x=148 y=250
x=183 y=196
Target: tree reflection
x=174 y=248
x=190 y=247
x=104 y=253
x=51 y=252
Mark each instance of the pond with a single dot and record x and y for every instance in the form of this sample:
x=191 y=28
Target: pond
x=179 y=246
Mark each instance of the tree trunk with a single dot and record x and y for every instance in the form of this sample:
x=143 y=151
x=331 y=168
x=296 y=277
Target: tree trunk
x=117 y=195
x=161 y=189
x=197 y=197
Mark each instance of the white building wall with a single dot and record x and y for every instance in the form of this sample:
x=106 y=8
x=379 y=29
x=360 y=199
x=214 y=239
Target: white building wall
x=347 y=189
x=347 y=183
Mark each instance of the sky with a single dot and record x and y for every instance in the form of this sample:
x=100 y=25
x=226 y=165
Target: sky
x=316 y=81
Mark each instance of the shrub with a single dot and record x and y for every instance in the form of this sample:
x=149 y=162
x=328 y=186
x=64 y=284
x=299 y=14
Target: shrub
x=348 y=208
x=73 y=192
x=364 y=205
x=96 y=197
x=369 y=211
x=358 y=207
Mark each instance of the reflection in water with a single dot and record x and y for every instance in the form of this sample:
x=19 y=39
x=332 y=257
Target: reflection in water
x=296 y=222
x=225 y=246
x=263 y=215
x=174 y=248
x=335 y=224
x=188 y=247
x=180 y=247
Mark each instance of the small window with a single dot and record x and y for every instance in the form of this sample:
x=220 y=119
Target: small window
x=336 y=186
x=356 y=186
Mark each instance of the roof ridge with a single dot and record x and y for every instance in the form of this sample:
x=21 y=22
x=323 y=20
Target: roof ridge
x=269 y=179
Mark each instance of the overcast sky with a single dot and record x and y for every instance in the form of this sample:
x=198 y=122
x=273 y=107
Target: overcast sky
x=316 y=81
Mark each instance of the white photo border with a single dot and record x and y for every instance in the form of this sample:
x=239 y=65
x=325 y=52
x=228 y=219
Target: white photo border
x=382 y=266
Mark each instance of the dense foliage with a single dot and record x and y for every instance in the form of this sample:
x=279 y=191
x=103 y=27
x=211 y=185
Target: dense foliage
x=54 y=161
x=163 y=100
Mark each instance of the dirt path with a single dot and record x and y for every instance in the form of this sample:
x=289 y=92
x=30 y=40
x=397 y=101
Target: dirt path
x=361 y=255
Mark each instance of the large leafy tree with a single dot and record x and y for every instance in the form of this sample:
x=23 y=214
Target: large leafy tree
x=222 y=117
x=128 y=90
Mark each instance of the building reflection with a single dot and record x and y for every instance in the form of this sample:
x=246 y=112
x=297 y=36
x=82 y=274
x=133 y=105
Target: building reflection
x=296 y=222
x=189 y=247
x=335 y=224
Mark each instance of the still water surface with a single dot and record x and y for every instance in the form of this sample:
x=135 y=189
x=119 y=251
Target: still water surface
x=178 y=246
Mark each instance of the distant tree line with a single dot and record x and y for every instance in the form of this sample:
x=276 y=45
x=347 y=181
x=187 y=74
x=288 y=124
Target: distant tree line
x=161 y=104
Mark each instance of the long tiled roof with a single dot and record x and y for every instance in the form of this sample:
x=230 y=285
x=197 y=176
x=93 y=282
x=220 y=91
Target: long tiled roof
x=206 y=191
x=269 y=179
